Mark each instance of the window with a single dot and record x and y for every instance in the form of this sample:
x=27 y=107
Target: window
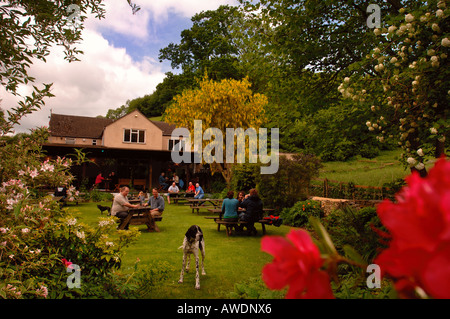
x=176 y=145
x=133 y=136
x=94 y=142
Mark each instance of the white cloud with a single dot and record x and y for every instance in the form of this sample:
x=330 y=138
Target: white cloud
x=105 y=78
x=120 y=19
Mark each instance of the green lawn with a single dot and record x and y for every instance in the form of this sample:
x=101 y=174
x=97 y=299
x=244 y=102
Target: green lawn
x=229 y=260
x=370 y=172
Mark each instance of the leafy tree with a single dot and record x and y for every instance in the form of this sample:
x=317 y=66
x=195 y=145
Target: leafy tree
x=115 y=114
x=404 y=81
x=154 y=104
x=291 y=182
x=207 y=45
x=325 y=36
x=297 y=53
x=225 y=104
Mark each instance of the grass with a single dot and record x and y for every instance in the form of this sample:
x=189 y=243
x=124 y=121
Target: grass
x=370 y=172
x=156 y=118
x=229 y=260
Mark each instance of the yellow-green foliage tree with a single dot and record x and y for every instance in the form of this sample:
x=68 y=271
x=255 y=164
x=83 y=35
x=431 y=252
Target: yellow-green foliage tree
x=218 y=104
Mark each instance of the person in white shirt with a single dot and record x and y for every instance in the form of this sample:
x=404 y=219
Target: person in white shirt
x=173 y=191
x=121 y=205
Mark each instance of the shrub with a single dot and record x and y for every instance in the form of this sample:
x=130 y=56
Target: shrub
x=255 y=288
x=354 y=286
x=298 y=214
x=38 y=240
x=352 y=227
x=290 y=183
x=97 y=196
x=140 y=283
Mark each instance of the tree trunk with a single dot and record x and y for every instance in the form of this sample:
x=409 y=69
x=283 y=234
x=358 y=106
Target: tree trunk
x=225 y=169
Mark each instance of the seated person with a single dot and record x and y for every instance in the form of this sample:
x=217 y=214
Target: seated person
x=114 y=181
x=156 y=203
x=199 y=193
x=173 y=191
x=181 y=184
x=162 y=181
x=141 y=197
x=61 y=191
x=253 y=210
x=229 y=209
x=98 y=180
x=176 y=179
x=190 y=192
x=241 y=196
x=121 y=205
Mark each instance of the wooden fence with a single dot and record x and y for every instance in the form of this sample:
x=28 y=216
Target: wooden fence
x=336 y=189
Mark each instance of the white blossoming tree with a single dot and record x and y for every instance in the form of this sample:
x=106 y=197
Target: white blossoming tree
x=405 y=83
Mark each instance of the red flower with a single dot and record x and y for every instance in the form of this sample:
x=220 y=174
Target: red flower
x=419 y=224
x=296 y=264
x=66 y=263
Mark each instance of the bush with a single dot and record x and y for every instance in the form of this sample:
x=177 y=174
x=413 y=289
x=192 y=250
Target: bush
x=38 y=240
x=354 y=286
x=290 y=183
x=140 y=283
x=355 y=228
x=97 y=196
x=298 y=214
x=254 y=288
x=244 y=176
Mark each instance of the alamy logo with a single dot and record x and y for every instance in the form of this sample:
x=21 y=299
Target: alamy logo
x=374 y=279
x=214 y=151
x=74 y=17
x=374 y=18
x=74 y=279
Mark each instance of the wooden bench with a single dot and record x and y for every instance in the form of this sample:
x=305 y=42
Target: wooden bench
x=197 y=207
x=228 y=224
x=176 y=199
x=139 y=216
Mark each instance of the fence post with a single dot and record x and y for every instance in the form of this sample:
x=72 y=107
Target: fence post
x=325 y=188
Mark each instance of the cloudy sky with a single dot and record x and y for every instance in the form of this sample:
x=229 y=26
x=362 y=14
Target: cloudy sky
x=120 y=60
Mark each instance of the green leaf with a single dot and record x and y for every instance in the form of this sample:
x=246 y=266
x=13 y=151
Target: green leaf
x=353 y=255
x=324 y=237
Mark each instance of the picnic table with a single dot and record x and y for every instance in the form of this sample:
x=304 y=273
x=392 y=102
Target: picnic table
x=228 y=224
x=137 y=201
x=219 y=210
x=140 y=216
x=180 y=196
x=196 y=203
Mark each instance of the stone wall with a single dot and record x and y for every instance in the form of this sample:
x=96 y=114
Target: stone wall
x=330 y=204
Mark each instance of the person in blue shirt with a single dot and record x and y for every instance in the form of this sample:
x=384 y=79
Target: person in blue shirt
x=199 y=193
x=162 y=181
x=181 y=184
x=229 y=210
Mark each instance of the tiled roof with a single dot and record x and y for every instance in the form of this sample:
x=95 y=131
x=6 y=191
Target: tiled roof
x=90 y=127
x=166 y=128
x=77 y=126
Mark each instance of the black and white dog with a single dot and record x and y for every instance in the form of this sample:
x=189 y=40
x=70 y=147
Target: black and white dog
x=192 y=244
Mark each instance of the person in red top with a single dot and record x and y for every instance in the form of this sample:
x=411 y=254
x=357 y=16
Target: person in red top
x=190 y=190
x=98 y=180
